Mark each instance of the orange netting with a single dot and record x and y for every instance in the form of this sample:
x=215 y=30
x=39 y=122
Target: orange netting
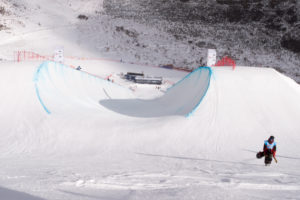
x=20 y=56
x=226 y=61
x=30 y=56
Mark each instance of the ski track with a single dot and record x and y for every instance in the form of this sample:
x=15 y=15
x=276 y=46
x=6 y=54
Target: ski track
x=60 y=177
x=167 y=181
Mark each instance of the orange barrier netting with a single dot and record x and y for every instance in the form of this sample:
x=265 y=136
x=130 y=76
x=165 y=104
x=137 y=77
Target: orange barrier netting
x=20 y=56
x=225 y=61
x=30 y=56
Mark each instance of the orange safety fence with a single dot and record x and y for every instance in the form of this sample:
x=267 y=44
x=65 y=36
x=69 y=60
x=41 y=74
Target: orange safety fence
x=226 y=61
x=20 y=56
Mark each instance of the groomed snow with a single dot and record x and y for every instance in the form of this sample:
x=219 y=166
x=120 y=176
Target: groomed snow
x=82 y=150
x=85 y=151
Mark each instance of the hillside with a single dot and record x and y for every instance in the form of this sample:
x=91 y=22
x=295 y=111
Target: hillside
x=254 y=33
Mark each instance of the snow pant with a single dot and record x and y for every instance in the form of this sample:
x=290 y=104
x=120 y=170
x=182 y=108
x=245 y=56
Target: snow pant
x=268 y=157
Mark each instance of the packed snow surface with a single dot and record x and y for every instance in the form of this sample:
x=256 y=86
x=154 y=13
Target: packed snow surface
x=82 y=149
x=73 y=135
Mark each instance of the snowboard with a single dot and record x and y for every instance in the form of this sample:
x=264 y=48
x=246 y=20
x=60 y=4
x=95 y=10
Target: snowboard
x=260 y=154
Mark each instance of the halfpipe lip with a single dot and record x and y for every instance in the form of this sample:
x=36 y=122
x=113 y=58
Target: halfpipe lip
x=208 y=85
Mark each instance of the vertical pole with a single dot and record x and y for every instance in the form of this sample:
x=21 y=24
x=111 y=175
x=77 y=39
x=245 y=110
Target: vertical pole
x=19 y=55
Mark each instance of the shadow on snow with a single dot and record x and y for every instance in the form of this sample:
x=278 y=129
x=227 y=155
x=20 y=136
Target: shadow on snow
x=7 y=194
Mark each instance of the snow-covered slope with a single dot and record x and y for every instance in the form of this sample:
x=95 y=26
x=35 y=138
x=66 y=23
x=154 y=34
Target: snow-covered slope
x=145 y=39
x=90 y=152
x=58 y=141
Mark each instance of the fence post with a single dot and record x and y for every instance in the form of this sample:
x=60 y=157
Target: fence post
x=19 y=56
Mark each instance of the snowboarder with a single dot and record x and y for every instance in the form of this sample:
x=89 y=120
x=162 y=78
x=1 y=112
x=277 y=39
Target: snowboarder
x=269 y=151
x=78 y=68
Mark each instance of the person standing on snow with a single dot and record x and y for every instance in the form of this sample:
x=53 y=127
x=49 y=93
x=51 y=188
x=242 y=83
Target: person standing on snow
x=269 y=150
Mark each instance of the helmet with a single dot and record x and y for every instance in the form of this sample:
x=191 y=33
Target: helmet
x=271 y=139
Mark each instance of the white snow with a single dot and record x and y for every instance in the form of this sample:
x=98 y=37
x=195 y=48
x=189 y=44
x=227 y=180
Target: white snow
x=86 y=149
x=83 y=150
